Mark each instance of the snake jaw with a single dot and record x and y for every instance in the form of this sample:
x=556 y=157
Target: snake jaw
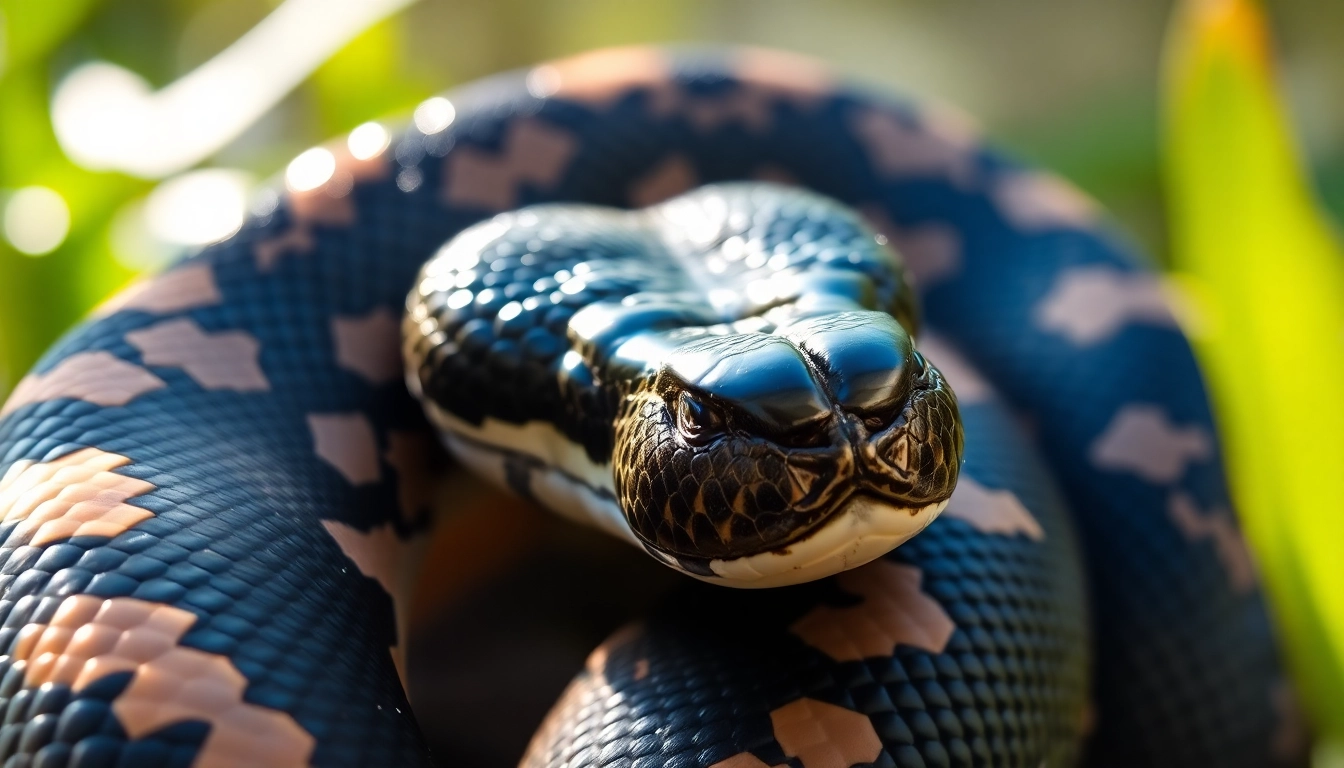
x=705 y=483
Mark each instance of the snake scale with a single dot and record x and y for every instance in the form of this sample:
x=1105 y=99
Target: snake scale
x=215 y=489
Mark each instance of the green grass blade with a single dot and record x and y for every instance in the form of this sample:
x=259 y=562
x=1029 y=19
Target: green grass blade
x=1248 y=233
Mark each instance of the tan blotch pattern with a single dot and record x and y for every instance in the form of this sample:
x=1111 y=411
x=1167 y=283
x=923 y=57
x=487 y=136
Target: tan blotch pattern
x=346 y=442
x=751 y=108
x=1217 y=525
x=823 y=735
x=667 y=179
x=328 y=205
x=1033 y=201
x=966 y=382
x=368 y=345
x=992 y=511
x=952 y=124
x=786 y=73
x=90 y=637
x=1140 y=439
x=767 y=78
x=75 y=495
x=377 y=552
x=390 y=560
x=221 y=360
x=894 y=612
x=98 y=377
x=599 y=76
x=1089 y=305
x=296 y=239
x=931 y=253
x=422 y=479
x=900 y=150
x=586 y=695
x=190 y=286
x=532 y=153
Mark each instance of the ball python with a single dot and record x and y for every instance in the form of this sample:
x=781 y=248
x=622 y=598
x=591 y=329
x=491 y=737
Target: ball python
x=672 y=292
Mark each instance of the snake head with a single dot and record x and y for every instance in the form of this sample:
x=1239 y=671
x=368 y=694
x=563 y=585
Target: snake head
x=774 y=458
x=727 y=378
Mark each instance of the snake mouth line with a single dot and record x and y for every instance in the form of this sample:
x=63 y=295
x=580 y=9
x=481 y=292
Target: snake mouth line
x=536 y=461
x=863 y=528
x=837 y=500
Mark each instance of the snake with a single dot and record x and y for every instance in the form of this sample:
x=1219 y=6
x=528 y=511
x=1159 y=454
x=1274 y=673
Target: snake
x=748 y=422
x=913 y=420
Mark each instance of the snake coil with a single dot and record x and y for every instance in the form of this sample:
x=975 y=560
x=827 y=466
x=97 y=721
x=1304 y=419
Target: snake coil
x=214 y=490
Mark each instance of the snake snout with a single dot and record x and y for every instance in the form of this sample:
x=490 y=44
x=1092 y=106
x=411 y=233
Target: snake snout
x=891 y=406
x=755 y=448
x=865 y=360
x=916 y=458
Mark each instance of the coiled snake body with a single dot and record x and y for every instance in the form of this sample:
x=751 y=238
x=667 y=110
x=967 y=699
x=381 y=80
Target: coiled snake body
x=213 y=489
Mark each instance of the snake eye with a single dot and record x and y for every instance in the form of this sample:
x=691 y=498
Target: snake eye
x=920 y=364
x=696 y=420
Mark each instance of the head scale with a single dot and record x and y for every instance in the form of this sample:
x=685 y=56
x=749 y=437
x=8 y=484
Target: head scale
x=742 y=448
x=748 y=418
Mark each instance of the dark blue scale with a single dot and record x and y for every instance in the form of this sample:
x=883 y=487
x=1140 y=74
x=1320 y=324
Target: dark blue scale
x=1005 y=691
x=1182 y=665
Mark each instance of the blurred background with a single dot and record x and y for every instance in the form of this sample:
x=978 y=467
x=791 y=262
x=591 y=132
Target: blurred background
x=134 y=131
x=1072 y=86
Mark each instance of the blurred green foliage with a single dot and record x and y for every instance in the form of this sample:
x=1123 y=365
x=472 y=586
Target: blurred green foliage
x=1248 y=234
x=1094 y=120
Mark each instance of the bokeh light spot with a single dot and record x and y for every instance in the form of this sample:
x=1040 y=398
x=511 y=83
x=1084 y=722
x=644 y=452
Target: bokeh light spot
x=433 y=115
x=408 y=180
x=36 y=220
x=310 y=170
x=198 y=207
x=368 y=141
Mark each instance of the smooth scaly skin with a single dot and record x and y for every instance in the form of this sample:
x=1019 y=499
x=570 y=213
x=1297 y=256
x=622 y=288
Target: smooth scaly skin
x=237 y=452
x=729 y=360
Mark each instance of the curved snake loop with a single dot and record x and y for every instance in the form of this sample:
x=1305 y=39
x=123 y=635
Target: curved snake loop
x=214 y=490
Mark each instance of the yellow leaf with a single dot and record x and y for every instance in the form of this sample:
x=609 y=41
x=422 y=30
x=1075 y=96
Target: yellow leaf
x=1248 y=233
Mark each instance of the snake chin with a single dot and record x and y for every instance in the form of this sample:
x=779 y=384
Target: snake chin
x=865 y=528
